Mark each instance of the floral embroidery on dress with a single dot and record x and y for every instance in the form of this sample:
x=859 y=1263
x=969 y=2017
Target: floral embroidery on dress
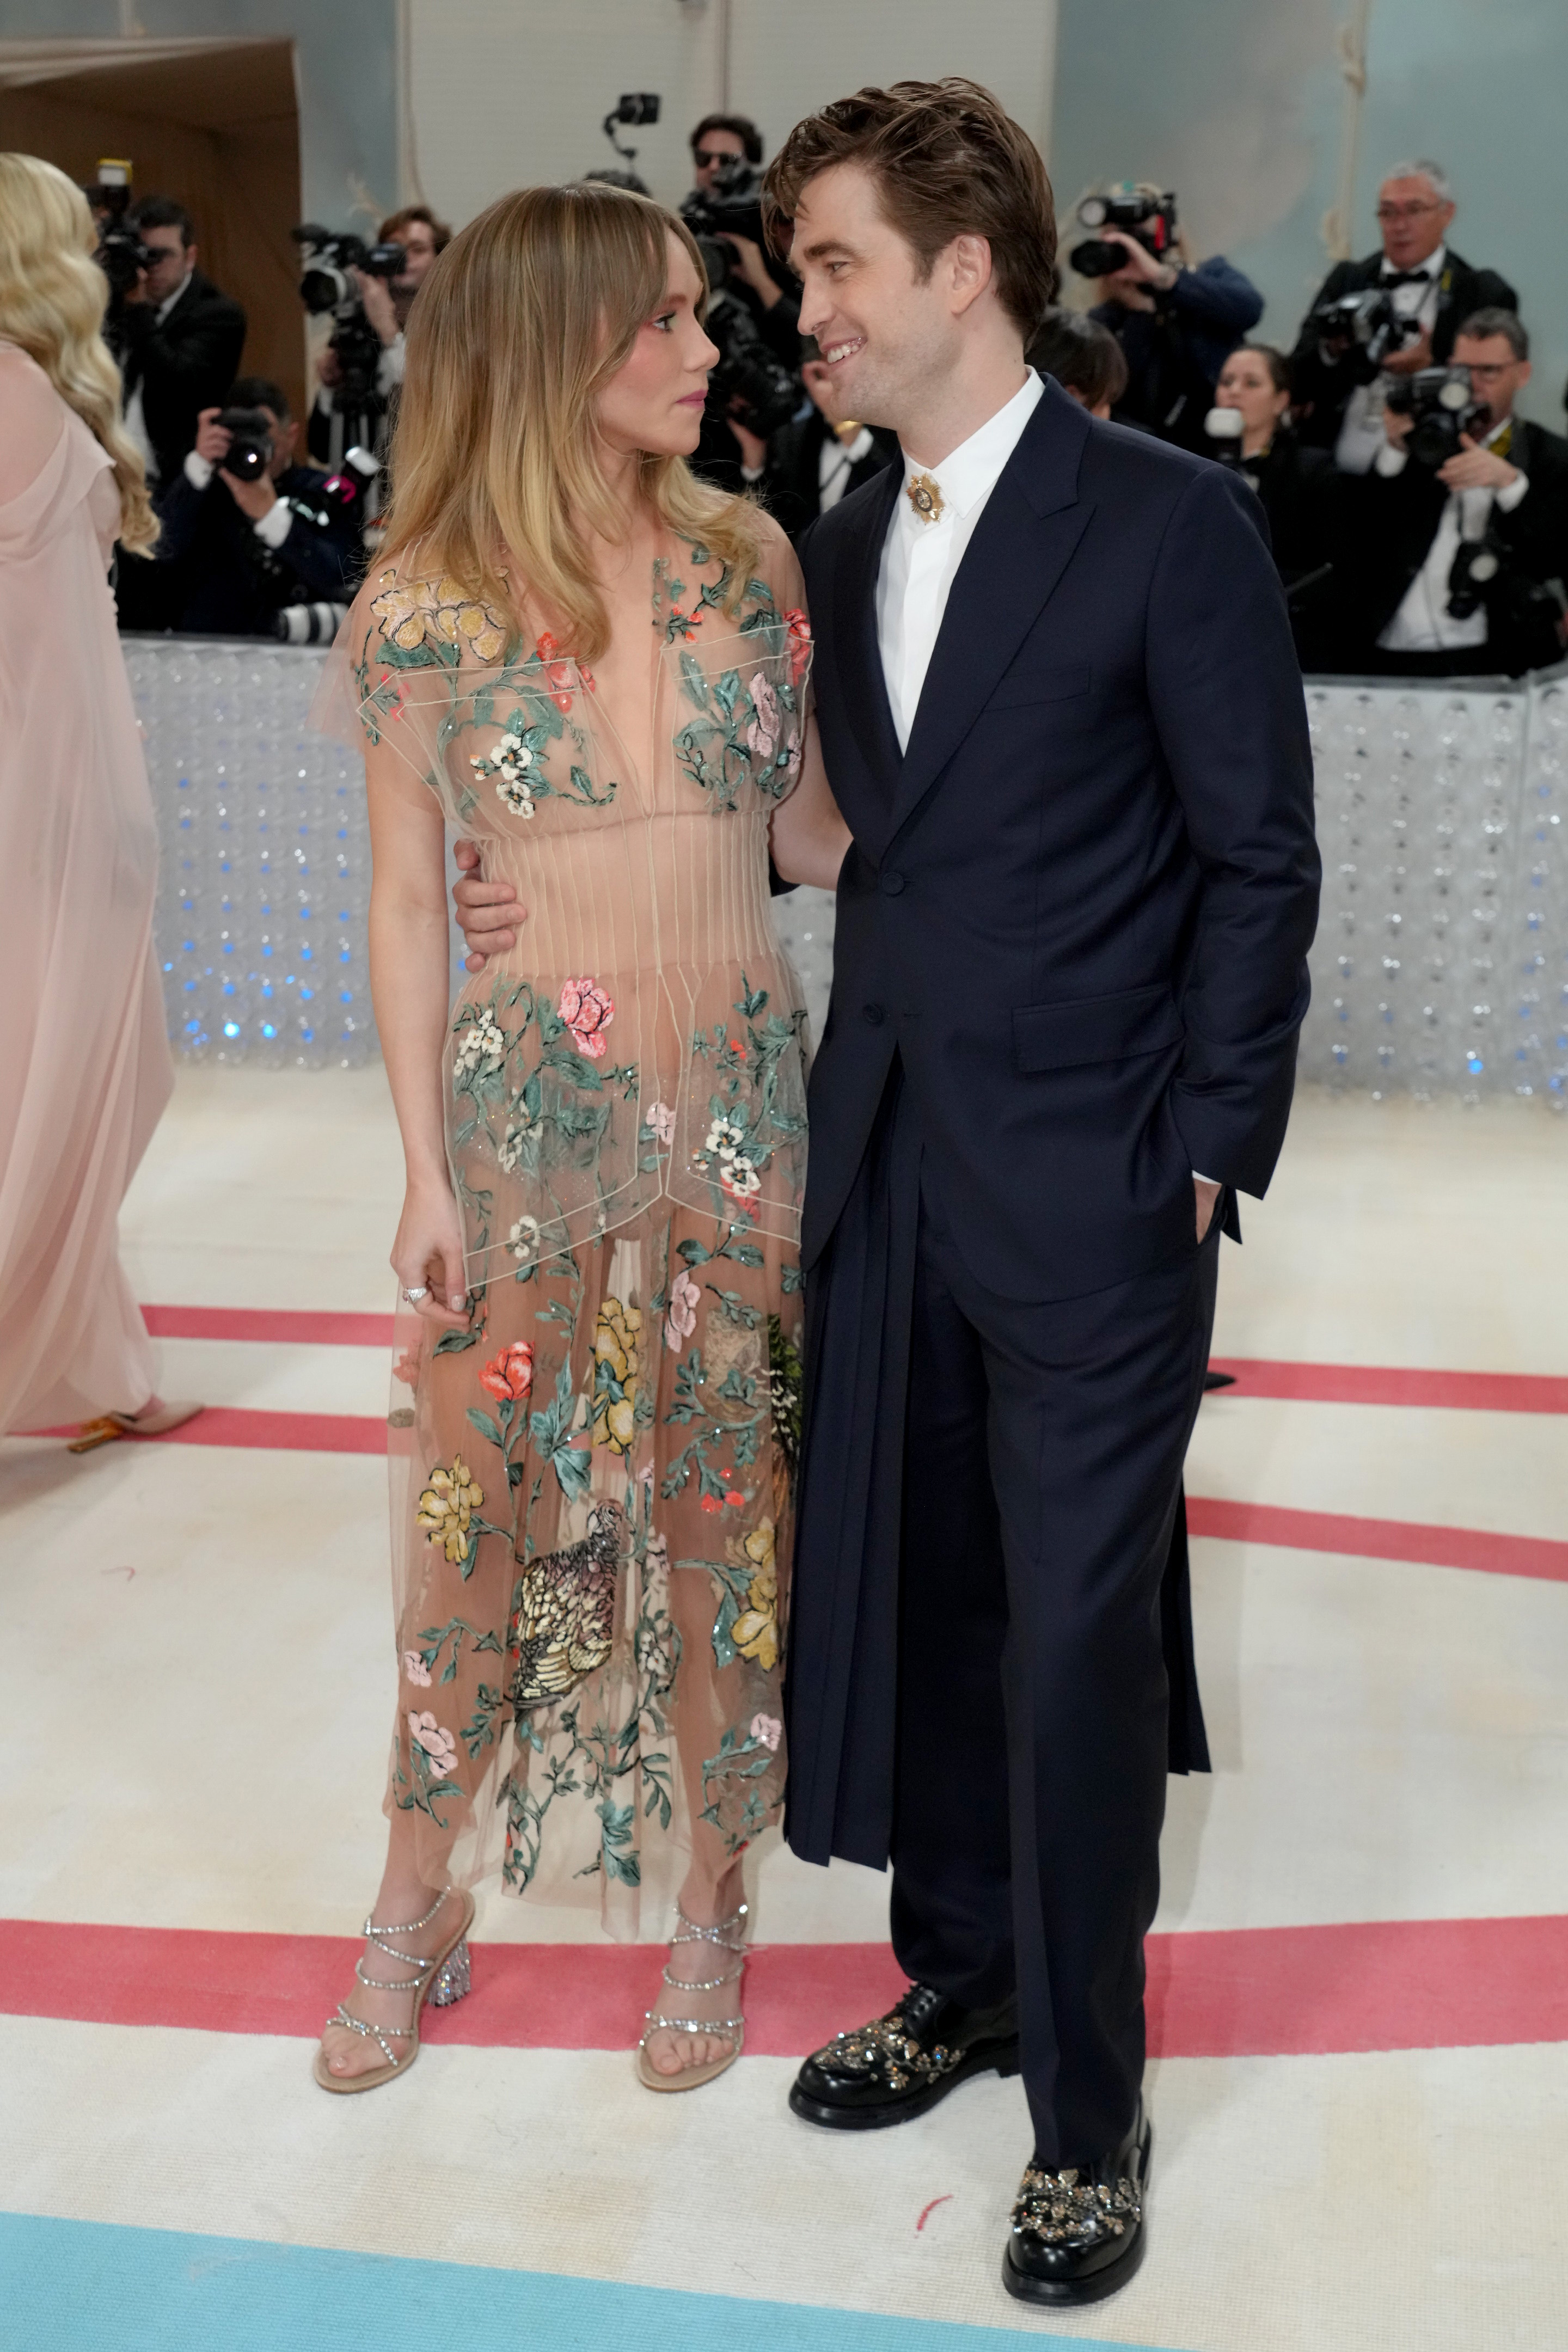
x=438 y=617
x=446 y=1507
x=616 y=1363
x=564 y=1615
x=587 y=1011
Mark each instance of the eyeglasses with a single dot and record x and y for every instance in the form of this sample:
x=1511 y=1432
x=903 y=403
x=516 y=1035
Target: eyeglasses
x=1489 y=369
x=1405 y=212
x=705 y=157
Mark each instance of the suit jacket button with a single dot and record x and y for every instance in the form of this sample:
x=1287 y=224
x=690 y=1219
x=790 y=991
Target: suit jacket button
x=892 y=883
x=875 y=1013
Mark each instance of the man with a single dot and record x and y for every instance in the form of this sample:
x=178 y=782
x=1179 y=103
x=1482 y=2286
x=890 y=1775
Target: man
x=1487 y=531
x=177 y=338
x=386 y=303
x=239 y=552
x=1062 y=716
x=813 y=463
x=1430 y=286
x=719 y=143
x=1177 y=325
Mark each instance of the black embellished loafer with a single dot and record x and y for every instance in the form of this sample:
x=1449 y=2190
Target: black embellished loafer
x=1078 y=2234
x=904 y=2062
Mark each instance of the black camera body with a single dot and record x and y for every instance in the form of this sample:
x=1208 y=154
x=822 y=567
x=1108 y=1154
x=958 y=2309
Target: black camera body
x=732 y=206
x=1150 y=219
x=326 y=286
x=1364 y=326
x=249 y=451
x=1443 y=406
x=123 y=256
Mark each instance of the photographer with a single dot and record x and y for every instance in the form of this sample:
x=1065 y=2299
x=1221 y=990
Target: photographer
x=246 y=532
x=1084 y=357
x=177 y=338
x=1176 y=323
x=724 y=204
x=812 y=462
x=385 y=304
x=1462 y=556
x=1346 y=342
x=1297 y=488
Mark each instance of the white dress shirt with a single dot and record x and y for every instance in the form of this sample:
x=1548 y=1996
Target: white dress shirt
x=1423 y=623
x=134 y=419
x=1360 y=434
x=921 y=559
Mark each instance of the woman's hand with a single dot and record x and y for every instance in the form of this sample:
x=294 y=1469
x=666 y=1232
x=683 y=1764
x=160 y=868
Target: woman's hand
x=428 y=1253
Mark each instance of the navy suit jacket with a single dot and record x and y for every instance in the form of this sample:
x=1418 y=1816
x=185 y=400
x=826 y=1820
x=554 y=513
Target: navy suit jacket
x=1078 y=908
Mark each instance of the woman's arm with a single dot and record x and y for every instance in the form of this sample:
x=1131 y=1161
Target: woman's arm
x=808 y=838
x=409 y=987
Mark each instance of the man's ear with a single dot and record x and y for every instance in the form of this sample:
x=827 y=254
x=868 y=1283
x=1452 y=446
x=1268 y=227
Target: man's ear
x=968 y=263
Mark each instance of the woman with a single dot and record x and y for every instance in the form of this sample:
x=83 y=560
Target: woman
x=84 y=1066
x=578 y=655
x=1299 y=488
x=1084 y=357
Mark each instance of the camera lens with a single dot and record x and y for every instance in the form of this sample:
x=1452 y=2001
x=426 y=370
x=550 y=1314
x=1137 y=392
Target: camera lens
x=1454 y=395
x=1091 y=212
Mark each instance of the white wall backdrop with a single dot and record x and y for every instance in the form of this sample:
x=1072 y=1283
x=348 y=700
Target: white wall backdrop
x=510 y=92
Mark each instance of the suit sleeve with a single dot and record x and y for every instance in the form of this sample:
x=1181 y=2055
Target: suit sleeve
x=1216 y=295
x=1225 y=693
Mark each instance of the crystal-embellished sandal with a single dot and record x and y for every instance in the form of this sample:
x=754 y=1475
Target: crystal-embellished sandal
x=731 y=2028
x=441 y=1979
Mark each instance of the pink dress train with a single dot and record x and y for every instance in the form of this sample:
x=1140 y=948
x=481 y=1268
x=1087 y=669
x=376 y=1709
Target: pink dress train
x=85 y=1069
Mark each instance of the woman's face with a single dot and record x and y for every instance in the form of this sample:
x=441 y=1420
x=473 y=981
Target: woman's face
x=654 y=401
x=1245 y=383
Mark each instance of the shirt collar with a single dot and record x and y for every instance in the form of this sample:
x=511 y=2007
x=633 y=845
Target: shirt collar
x=1432 y=268
x=167 y=305
x=970 y=472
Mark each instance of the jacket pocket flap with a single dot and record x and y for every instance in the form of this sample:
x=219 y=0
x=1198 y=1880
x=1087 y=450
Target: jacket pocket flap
x=1096 y=1029
x=1025 y=686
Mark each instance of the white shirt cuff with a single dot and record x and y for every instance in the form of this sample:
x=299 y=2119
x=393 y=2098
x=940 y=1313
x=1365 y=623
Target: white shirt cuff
x=198 y=471
x=1198 y=1177
x=1506 y=501
x=753 y=473
x=276 y=524
x=1391 y=461
x=389 y=367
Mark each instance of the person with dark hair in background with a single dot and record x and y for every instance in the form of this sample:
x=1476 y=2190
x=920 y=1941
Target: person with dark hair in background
x=242 y=550
x=332 y=433
x=178 y=339
x=1460 y=567
x=718 y=145
x=1176 y=324
x=1337 y=402
x=1296 y=486
x=812 y=463
x=1083 y=357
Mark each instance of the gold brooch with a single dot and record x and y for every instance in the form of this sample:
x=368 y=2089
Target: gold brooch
x=925 y=496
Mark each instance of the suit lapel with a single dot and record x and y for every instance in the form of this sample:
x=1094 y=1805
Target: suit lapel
x=856 y=649
x=1022 y=545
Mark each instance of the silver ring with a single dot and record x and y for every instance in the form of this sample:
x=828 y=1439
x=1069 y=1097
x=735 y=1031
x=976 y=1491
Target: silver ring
x=413 y=1297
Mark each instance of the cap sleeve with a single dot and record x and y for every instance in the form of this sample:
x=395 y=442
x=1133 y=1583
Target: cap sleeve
x=392 y=679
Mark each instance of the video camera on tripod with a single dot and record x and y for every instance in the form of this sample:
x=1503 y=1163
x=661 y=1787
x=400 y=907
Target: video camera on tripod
x=327 y=285
x=1150 y=219
x=1364 y=326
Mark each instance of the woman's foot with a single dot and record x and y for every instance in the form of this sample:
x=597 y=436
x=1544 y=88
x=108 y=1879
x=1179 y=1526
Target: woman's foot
x=387 y=1978
x=702 y=1979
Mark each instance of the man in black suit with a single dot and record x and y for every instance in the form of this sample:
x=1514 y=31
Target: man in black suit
x=813 y=463
x=177 y=338
x=1061 y=713
x=1430 y=286
x=1487 y=531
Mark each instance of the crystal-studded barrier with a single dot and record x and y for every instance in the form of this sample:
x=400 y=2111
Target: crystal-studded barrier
x=1441 y=965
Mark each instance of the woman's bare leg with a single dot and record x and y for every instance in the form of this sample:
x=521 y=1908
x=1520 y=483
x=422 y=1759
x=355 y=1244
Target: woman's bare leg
x=403 y=1896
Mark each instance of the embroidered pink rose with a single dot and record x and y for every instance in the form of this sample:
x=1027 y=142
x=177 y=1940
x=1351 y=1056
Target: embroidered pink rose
x=768 y=1729
x=510 y=1374
x=762 y=734
x=685 y=1296
x=439 y=1746
x=558 y=672
x=799 y=628
x=587 y=1012
x=415 y=1671
x=661 y=1124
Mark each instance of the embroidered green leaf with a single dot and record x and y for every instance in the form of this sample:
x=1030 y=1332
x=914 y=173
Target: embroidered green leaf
x=485 y=1425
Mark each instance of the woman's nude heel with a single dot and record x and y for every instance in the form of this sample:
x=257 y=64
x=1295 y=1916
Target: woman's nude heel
x=732 y=2029
x=441 y=1979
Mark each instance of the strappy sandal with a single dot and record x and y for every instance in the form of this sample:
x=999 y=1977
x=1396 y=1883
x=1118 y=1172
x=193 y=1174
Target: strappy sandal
x=441 y=1979
x=111 y=1425
x=733 y=2028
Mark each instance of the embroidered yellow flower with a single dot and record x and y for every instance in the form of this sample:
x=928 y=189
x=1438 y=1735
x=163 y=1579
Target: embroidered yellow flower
x=755 y=1631
x=447 y=1505
x=440 y=612
x=618 y=1360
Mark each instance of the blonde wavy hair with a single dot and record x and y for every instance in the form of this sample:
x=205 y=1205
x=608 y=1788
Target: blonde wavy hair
x=52 y=300
x=496 y=458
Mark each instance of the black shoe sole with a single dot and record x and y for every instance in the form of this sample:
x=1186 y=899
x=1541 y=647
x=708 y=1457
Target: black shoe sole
x=1098 y=2285
x=1001 y=2058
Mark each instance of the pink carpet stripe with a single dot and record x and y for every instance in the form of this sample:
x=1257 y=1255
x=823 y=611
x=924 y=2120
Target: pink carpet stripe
x=1338 y=1531
x=282 y=1324
x=1418 y=1984
x=1395 y=1384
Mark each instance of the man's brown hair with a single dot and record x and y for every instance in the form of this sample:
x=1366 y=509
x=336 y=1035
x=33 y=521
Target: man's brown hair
x=395 y=223
x=948 y=162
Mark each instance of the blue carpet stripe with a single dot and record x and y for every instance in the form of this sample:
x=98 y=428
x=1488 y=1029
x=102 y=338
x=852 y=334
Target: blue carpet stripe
x=87 y=2286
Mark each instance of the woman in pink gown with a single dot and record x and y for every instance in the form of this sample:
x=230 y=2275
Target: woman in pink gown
x=84 y=1055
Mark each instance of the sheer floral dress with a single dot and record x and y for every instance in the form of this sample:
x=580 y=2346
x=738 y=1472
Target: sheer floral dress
x=592 y=1482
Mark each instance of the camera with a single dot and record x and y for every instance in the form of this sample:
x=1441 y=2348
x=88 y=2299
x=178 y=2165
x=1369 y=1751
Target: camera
x=1224 y=429
x=1150 y=219
x=309 y=625
x=638 y=106
x=731 y=207
x=249 y=452
x=1443 y=406
x=325 y=285
x=1366 y=324
x=1476 y=565
x=120 y=254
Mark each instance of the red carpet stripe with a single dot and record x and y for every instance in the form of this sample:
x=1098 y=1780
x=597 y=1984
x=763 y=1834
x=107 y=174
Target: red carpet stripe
x=1418 y=1984
x=1395 y=1384
x=286 y=1326
x=1338 y=1531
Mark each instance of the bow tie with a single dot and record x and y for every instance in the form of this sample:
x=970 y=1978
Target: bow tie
x=1405 y=278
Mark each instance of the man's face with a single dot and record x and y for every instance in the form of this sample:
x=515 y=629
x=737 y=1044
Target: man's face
x=1414 y=220
x=708 y=157
x=418 y=242
x=171 y=259
x=1496 y=376
x=887 y=335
